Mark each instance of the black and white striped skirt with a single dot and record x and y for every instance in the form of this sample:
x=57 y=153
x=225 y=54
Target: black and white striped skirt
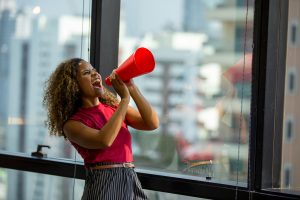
x=113 y=184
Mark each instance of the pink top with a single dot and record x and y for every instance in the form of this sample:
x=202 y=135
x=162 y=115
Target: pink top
x=96 y=117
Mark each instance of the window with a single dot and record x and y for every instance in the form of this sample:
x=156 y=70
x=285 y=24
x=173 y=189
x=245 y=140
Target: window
x=34 y=186
x=289 y=128
x=201 y=122
x=33 y=38
x=33 y=33
x=294 y=32
x=291 y=80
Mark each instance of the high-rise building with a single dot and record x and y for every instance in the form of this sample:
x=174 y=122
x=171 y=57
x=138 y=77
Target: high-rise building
x=290 y=176
x=7 y=26
x=193 y=16
x=143 y=17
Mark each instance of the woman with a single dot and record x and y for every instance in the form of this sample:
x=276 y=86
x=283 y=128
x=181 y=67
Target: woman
x=82 y=110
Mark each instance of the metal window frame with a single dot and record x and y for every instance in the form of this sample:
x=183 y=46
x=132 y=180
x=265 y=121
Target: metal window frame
x=274 y=94
x=105 y=35
x=104 y=50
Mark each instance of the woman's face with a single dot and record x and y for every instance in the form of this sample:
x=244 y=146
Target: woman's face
x=89 y=80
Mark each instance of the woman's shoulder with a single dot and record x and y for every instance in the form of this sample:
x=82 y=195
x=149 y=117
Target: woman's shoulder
x=84 y=116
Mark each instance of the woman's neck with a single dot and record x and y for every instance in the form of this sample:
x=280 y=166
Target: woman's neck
x=90 y=102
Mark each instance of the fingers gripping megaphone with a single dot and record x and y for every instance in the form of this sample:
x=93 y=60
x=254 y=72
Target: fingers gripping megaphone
x=139 y=63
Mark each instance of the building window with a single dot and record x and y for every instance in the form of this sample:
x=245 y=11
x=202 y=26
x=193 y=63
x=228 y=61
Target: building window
x=287 y=176
x=289 y=128
x=291 y=80
x=294 y=33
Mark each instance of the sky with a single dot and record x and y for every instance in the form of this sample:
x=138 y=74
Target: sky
x=54 y=8
x=140 y=16
x=145 y=15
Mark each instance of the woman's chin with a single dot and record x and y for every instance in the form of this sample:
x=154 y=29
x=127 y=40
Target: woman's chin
x=100 y=91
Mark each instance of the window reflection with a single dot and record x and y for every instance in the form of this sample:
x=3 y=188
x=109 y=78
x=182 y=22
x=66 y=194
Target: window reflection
x=201 y=85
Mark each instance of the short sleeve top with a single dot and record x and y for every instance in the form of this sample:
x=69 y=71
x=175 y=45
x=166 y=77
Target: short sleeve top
x=96 y=117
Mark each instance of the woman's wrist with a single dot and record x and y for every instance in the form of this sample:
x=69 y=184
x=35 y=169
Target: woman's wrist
x=125 y=100
x=133 y=89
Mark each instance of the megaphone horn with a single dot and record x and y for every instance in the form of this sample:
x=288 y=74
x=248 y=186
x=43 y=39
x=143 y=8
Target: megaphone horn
x=139 y=63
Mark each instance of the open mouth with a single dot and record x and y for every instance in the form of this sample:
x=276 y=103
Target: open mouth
x=97 y=84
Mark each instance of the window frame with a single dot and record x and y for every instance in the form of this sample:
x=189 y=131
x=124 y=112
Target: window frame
x=287 y=168
x=271 y=139
x=104 y=50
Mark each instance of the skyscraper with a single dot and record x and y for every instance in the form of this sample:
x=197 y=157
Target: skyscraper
x=7 y=26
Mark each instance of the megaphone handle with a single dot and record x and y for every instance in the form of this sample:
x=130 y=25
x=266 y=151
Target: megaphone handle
x=107 y=81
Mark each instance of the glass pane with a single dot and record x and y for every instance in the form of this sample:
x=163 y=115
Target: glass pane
x=34 y=37
x=15 y=185
x=154 y=195
x=200 y=87
x=32 y=186
x=290 y=173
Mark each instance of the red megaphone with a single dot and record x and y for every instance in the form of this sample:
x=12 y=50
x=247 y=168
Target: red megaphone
x=139 y=63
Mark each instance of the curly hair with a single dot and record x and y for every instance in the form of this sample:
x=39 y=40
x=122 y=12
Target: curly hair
x=62 y=96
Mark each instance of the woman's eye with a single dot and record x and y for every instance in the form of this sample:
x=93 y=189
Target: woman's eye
x=86 y=72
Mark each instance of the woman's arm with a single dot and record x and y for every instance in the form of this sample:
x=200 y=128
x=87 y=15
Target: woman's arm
x=145 y=118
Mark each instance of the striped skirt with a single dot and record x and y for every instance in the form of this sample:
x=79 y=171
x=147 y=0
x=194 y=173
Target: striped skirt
x=113 y=184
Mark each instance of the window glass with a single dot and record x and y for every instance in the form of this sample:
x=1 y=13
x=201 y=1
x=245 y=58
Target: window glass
x=33 y=186
x=200 y=87
x=35 y=36
x=154 y=195
x=290 y=173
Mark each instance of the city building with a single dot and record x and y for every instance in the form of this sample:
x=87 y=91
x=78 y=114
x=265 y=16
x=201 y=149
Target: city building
x=290 y=176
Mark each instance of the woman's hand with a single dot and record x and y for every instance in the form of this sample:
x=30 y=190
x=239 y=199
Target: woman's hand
x=119 y=86
x=130 y=85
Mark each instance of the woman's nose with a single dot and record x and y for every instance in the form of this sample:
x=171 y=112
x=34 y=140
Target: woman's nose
x=96 y=74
